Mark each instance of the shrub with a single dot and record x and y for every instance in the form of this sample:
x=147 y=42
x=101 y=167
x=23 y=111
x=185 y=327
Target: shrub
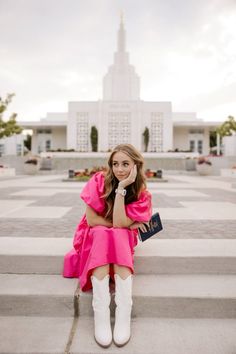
x=203 y=160
x=32 y=161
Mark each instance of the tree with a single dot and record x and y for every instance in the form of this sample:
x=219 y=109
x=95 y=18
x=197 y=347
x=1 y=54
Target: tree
x=28 y=141
x=146 y=138
x=10 y=127
x=227 y=128
x=213 y=139
x=94 y=138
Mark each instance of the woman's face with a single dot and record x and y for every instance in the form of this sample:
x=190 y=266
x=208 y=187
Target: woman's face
x=121 y=165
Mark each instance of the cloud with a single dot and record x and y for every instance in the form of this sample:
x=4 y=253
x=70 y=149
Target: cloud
x=184 y=52
x=220 y=96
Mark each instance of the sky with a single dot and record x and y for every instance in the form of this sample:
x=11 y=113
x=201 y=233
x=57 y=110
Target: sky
x=56 y=51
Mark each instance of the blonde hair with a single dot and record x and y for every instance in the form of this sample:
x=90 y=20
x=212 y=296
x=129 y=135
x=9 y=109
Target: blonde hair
x=111 y=182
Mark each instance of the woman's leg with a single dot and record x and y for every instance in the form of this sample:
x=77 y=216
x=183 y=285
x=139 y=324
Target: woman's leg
x=123 y=300
x=122 y=271
x=101 y=272
x=101 y=303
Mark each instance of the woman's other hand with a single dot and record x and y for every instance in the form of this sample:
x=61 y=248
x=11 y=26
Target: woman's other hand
x=140 y=225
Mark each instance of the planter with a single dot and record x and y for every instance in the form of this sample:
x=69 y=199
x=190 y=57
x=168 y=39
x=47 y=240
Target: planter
x=31 y=169
x=6 y=171
x=204 y=169
x=46 y=164
x=228 y=172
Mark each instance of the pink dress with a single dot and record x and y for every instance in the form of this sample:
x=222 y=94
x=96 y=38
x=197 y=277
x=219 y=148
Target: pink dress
x=100 y=245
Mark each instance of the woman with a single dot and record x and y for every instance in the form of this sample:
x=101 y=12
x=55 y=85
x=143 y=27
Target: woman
x=117 y=203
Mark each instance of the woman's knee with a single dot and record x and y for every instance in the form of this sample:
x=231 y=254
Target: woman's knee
x=101 y=271
x=123 y=271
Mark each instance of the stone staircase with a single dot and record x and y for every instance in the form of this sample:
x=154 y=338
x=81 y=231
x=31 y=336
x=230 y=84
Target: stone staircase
x=184 y=299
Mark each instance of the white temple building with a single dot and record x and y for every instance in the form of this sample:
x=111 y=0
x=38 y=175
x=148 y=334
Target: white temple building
x=121 y=117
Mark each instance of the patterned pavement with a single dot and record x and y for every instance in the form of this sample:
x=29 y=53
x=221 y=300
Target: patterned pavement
x=190 y=206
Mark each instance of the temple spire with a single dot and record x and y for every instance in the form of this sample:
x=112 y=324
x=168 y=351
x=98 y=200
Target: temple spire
x=121 y=35
x=121 y=83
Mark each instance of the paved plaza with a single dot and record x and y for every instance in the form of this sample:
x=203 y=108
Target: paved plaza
x=190 y=206
x=185 y=287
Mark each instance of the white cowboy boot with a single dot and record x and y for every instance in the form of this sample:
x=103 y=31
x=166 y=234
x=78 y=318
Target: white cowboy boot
x=101 y=302
x=123 y=300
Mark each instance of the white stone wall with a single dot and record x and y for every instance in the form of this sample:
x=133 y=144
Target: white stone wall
x=183 y=135
x=81 y=112
x=34 y=142
x=206 y=141
x=127 y=84
x=12 y=145
x=72 y=125
x=120 y=122
x=59 y=138
x=229 y=143
x=151 y=111
x=115 y=114
x=181 y=140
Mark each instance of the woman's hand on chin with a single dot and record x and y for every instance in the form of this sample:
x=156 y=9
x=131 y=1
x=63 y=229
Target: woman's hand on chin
x=130 y=179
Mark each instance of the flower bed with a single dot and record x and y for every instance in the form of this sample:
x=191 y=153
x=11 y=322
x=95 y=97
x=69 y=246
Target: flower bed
x=203 y=160
x=153 y=174
x=85 y=175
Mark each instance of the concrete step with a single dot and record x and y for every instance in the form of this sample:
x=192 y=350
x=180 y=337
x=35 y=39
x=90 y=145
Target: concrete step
x=177 y=296
x=33 y=255
x=164 y=336
x=186 y=256
x=23 y=255
x=31 y=335
x=48 y=335
x=180 y=296
x=37 y=295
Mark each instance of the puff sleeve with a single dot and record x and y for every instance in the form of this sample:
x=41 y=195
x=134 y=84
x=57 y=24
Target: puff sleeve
x=93 y=191
x=141 y=210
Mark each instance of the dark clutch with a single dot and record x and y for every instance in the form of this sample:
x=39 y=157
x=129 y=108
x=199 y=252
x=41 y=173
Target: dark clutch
x=154 y=227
